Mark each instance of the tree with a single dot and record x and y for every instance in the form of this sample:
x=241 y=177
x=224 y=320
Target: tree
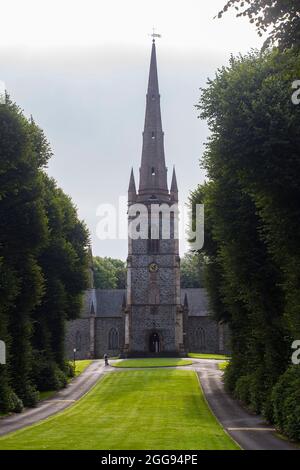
x=24 y=227
x=252 y=216
x=212 y=269
x=120 y=271
x=191 y=272
x=64 y=263
x=43 y=263
x=281 y=16
x=109 y=273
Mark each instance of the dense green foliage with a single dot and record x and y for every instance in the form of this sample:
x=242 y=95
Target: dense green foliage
x=279 y=18
x=43 y=263
x=191 y=270
x=143 y=409
x=286 y=403
x=252 y=216
x=109 y=273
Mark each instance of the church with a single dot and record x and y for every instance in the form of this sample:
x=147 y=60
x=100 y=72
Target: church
x=153 y=316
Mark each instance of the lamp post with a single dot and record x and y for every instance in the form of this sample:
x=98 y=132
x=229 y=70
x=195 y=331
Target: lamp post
x=74 y=358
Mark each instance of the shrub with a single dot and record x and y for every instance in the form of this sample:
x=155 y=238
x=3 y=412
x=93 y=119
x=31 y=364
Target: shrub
x=69 y=369
x=251 y=391
x=51 y=378
x=5 y=392
x=31 y=396
x=47 y=375
x=242 y=389
x=286 y=403
x=61 y=378
x=230 y=377
x=260 y=391
x=15 y=403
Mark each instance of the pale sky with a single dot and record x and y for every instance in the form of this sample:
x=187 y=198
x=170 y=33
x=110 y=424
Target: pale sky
x=81 y=68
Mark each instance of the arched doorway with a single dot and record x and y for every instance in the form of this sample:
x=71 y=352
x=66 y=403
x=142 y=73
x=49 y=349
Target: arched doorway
x=154 y=343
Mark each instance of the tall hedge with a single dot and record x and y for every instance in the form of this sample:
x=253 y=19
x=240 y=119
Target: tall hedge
x=43 y=259
x=252 y=212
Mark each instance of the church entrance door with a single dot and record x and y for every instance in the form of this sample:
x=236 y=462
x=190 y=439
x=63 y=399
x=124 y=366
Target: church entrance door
x=154 y=343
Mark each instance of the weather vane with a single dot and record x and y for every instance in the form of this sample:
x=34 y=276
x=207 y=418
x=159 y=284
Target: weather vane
x=154 y=34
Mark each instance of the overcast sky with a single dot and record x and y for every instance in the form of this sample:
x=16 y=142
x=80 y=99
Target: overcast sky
x=81 y=68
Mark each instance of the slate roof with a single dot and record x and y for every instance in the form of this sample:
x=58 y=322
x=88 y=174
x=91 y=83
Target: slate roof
x=197 y=301
x=110 y=301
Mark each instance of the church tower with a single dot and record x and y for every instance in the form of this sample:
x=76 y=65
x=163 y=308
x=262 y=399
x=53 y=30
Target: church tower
x=153 y=314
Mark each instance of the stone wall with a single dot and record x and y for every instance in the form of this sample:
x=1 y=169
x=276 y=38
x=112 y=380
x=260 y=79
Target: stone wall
x=201 y=332
x=145 y=321
x=103 y=327
x=78 y=336
x=202 y=335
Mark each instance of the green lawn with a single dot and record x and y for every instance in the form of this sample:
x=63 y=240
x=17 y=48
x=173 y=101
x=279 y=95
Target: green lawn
x=208 y=356
x=141 y=409
x=152 y=362
x=80 y=366
x=223 y=365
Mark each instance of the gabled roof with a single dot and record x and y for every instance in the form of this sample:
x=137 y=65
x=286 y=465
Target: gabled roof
x=109 y=302
x=197 y=300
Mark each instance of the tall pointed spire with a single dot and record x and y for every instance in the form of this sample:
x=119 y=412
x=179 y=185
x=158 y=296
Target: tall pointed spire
x=174 y=187
x=153 y=171
x=131 y=188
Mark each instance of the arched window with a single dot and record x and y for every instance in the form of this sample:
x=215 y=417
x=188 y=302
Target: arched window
x=200 y=339
x=78 y=341
x=113 y=339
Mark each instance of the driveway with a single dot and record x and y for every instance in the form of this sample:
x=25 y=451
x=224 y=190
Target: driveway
x=251 y=432
x=66 y=397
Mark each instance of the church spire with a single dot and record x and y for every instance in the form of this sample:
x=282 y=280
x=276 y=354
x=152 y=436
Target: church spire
x=131 y=188
x=174 y=187
x=153 y=171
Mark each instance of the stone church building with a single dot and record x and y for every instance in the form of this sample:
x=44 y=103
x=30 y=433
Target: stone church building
x=153 y=316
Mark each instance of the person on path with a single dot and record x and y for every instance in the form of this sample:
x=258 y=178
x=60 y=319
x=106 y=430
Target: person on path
x=106 y=359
